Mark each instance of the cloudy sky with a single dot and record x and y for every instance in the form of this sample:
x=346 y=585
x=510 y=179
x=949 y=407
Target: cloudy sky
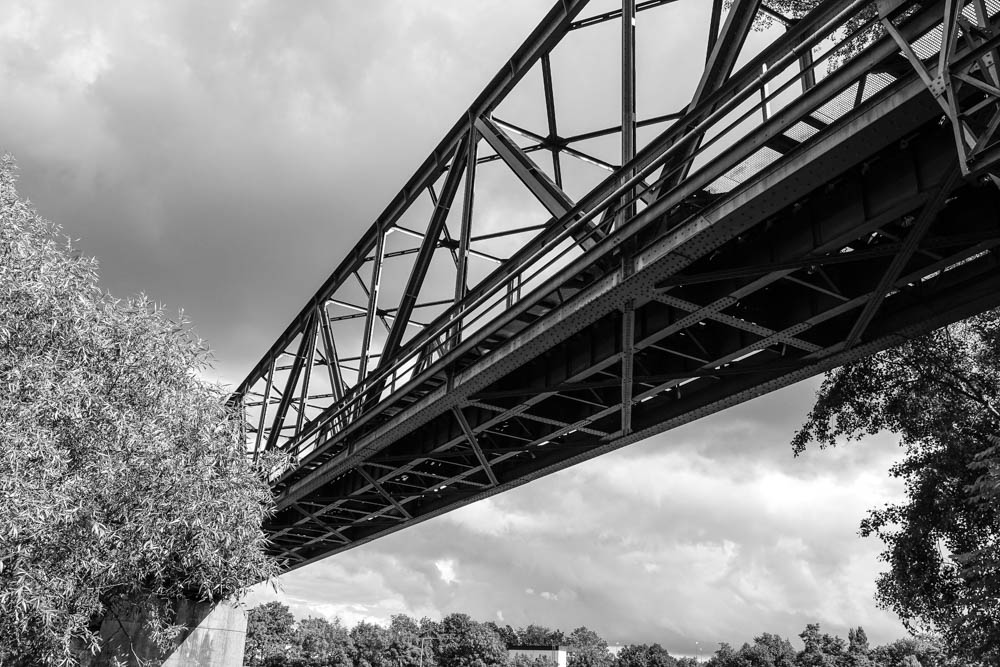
x=221 y=157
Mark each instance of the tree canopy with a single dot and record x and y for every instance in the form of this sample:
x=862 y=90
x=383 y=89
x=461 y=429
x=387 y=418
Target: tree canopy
x=123 y=475
x=460 y=640
x=587 y=649
x=941 y=394
x=644 y=655
x=270 y=630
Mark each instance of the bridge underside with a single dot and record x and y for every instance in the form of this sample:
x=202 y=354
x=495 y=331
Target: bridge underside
x=758 y=290
x=847 y=223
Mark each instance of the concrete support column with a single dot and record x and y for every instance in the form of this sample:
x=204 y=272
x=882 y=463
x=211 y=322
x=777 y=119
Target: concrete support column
x=214 y=636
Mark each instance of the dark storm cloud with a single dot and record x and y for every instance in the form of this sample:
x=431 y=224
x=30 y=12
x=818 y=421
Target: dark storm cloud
x=224 y=156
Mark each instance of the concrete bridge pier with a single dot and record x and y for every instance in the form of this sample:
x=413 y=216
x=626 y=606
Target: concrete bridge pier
x=215 y=636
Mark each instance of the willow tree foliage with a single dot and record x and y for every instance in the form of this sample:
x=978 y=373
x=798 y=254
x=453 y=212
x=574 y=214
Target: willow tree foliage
x=941 y=394
x=123 y=478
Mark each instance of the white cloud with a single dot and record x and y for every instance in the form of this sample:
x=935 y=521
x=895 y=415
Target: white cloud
x=683 y=538
x=495 y=517
x=159 y=133
x=446 y=568
x=82 y=64
x=349 y=614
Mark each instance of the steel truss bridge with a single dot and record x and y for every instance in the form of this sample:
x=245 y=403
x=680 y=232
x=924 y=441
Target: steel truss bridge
x=826 y=199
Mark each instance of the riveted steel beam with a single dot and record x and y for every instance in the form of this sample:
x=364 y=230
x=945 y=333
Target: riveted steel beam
x=293 y=377
x=474 y=443
x=542 y=39
x=548 y=194
x=721 y=62
x=728 y=285
x=428 y=246
x=388 y=496
x=900 y=259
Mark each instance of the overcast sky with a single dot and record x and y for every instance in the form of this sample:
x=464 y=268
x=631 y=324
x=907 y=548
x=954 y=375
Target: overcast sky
x=222 y=157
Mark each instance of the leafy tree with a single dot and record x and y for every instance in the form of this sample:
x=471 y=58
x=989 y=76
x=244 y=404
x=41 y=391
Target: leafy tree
x=522 y=660
x=466 y=643
x=508 y=635
x=644 y=655
x=123 y=477
x=792 y=10
x=404 y=642
x=323 y=643
x=767 y=650
x=370 y=643
x=912 y=652
x=588 y=649
x=270 y=630
x=727 y=656
x=941 y=394
x=821 y=649
x=858 y=651
x=429 y=635
x=539 y=635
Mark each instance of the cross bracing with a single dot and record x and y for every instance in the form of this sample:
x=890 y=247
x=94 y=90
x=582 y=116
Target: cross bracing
x=824 y=200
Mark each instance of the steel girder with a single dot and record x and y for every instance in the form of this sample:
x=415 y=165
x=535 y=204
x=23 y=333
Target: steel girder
x=967 y=88
x=771 y=252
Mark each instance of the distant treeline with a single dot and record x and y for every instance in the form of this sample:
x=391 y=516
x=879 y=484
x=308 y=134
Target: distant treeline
x=276 y=639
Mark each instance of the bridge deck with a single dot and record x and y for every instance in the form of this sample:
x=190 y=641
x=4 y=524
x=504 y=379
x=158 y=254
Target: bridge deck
x=827 y=232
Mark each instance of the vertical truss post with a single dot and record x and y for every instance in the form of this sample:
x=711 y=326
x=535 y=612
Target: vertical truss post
x=627 y=209
x=423 y=358
x=550 y=114
x=808 y=71
x=628 y=362
x=313 y=333
x=263 y=411
x=372 y=311
x=330 y=352
x=332 y=357
x=465 y=234
x=765 y=106
x=513 y=290
x=628 y=339
x=293 y=379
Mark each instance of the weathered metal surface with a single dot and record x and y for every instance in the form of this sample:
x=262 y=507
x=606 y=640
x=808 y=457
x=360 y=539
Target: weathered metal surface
x=725 y=257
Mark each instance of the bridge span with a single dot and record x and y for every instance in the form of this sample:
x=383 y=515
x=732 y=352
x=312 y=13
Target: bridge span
x=824 y=200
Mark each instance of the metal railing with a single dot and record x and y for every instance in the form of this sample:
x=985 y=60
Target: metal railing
x=819 y=71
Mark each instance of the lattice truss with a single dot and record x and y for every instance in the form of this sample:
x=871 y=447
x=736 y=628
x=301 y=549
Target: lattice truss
x=615 y=240
x=974 y=117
